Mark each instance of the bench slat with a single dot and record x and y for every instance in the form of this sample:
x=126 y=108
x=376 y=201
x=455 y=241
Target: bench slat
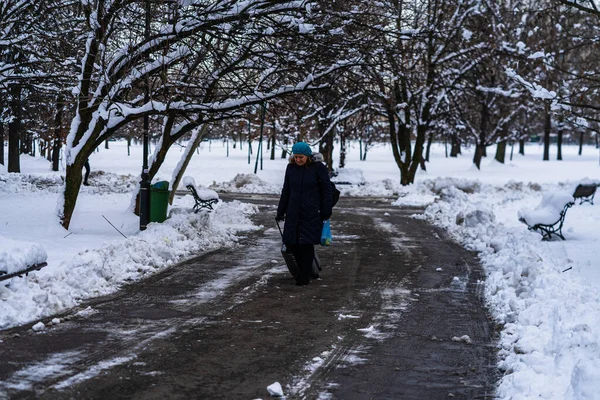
x=35 y=267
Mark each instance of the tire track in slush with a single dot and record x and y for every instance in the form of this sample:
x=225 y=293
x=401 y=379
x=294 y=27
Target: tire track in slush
x=388 y=299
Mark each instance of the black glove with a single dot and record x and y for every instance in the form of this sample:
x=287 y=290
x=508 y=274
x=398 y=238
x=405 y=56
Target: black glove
x=279 y=218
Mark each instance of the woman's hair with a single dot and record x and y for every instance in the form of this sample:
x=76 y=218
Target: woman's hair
x=308 y=162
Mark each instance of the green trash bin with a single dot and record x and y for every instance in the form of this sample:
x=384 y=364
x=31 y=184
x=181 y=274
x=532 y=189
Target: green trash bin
x=159 y=201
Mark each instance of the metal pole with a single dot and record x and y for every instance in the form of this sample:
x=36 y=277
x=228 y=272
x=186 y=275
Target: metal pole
x=249 y=142
x=145 y=182
x=260 y=140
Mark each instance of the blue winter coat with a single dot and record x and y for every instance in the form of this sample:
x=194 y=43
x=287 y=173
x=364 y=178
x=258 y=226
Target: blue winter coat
x=305 y=202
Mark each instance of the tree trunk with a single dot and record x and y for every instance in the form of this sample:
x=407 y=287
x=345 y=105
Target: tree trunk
x=455 y=145
x=395 y=141
x=501 y=152
x=57 y=139
x=73 y=179
x=342 y=163
x=326 y=145
x=106 y=144
x=559 y=140
x=522 y=146
x=27 y=142
x=418 y=156
x=284 y=153
x=22 y=142
x=273 y=142
x=547 y=128
x=14 y=131
x=428 y=150
x=479 y=151
x=580 y=152
x=43 y=147
x=1 y=143
x=128 y=145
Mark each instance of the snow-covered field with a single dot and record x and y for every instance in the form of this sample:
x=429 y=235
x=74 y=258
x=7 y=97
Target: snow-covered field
x=545 y=294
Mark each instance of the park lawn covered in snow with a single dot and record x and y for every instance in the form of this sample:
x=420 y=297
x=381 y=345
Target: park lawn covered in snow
x=544 y=295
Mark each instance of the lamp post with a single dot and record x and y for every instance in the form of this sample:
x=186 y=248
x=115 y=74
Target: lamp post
x=145 y=182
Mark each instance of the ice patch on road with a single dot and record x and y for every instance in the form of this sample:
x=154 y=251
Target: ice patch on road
x=300 y=384
x=344 y=316
x=53 y=367
x=93 y=371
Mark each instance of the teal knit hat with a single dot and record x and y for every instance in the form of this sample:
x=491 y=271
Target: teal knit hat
x=301 y=148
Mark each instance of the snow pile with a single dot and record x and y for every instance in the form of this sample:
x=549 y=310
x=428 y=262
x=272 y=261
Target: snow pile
x=107 y=182
x=16 y=255
x=100 y=183
x=101 y=271
x=549 y=344
x=22 y=183
x=349 y=176
x=246 y=183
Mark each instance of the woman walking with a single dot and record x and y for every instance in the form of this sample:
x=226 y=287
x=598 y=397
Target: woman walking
x=304 y=204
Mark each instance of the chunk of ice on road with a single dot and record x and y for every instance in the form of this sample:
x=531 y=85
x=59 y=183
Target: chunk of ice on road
x=438 y=269
x=463 y=338
x=369 y=329
x=275 y=389
x=39 y=326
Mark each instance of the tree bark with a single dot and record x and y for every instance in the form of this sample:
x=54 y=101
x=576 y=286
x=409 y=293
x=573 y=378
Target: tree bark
x=580 y=152
x=43 y=147
x=342 y=163
x=559 y=140
x=501 y=152
x=57 y=138
x=395 y=141
x=428 y=150
x=1 y=143
x=73 y=179
x=417 y=157
x=14 y=131
x=547 y=128
x=522 y=146
x=455 y=145
x=273 y=142
x=326 y=145
x=479 y=151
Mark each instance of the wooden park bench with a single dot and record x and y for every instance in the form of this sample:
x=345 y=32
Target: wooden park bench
x=203 y=198
x=585 y=193
x=18 y=258
x=549 y=216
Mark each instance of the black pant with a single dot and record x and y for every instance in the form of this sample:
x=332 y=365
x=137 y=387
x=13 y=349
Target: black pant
x=304 y=254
